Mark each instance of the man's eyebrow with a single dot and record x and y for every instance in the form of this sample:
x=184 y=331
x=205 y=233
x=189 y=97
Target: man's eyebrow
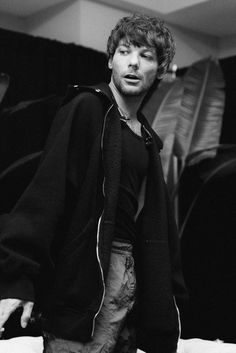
x=152 y=49
x=126 y=44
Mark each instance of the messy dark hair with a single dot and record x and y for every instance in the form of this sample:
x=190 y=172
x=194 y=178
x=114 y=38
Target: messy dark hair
x=140 y=30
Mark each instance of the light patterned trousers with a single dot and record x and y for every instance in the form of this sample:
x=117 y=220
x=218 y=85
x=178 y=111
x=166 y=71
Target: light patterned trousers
x=112 y=334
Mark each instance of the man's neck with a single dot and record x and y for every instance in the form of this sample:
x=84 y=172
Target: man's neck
x=128 y=105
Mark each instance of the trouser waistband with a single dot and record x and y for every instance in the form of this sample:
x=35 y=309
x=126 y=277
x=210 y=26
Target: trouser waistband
x=120 y=246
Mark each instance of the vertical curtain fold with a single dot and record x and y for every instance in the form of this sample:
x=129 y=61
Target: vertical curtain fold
x=39 y=67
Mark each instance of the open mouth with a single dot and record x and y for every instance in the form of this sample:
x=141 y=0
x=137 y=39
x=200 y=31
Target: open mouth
x=132 y=78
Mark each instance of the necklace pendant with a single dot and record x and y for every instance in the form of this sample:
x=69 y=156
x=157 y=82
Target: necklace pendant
x=124 y=119
x=123 y=116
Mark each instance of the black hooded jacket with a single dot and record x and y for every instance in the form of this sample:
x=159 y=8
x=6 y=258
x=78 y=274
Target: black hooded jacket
x=55 y=244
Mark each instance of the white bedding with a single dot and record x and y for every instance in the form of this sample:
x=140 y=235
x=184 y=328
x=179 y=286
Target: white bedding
x=26 y=344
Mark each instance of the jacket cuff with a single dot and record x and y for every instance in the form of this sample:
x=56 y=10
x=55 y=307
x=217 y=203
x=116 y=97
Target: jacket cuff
x=18 y=288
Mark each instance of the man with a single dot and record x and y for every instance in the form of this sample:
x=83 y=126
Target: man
x=96 y=218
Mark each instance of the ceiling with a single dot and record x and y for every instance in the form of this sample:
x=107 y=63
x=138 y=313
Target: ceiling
x=212 y=17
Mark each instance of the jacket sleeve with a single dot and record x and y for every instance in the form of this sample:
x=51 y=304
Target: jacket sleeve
x=26 y=233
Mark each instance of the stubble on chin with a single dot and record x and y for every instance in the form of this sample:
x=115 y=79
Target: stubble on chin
x=131 y=91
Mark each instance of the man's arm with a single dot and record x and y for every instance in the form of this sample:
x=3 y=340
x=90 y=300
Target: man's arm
x=27 y=232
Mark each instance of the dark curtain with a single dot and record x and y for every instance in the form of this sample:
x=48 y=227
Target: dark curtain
x=39 y=67
x=40 y=71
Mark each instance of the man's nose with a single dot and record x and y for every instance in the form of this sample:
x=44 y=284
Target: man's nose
x=134 y=60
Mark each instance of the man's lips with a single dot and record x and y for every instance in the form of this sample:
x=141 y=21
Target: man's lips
x=132 y=78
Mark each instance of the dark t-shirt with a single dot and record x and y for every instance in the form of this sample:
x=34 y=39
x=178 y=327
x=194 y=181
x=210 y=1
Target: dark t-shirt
x=134 y=166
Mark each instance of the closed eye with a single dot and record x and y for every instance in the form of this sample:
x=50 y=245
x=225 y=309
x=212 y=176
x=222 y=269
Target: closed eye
x=148 y=56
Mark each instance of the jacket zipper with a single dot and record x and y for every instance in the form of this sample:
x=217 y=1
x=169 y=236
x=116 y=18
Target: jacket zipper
x=179 y=322
x=98 y=231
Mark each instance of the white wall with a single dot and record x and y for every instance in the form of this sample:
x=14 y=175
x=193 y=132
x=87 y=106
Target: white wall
x=192 y=46
x=61 y=22
x=89 y=23
x=96 y=23
x=12 y=23
x=227 y=47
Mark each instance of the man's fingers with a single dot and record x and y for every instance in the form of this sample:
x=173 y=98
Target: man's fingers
x=7 y=307
x=26 y=314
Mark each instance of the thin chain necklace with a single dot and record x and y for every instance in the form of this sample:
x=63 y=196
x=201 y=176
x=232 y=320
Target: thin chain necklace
x=124 y=116
x=133 y=124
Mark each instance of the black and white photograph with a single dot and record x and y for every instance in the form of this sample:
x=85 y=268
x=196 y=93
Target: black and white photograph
x=117 y=176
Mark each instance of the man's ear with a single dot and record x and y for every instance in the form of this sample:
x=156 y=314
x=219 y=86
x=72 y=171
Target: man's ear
x=110 y=63
x=159 y=75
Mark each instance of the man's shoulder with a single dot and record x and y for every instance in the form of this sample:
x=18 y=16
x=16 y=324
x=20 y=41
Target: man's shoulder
x=91 y=95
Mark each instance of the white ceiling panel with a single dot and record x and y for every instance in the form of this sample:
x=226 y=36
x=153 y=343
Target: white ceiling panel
x=162 y=6
x=23 y=8
x=212 y=17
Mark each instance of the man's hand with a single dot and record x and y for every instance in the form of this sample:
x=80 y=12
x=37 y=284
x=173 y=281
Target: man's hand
x=8 y=306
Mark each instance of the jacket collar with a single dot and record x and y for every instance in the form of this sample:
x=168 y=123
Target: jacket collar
x=104 y=89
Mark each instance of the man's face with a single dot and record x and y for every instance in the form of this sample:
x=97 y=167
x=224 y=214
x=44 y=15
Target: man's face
x=134 y=69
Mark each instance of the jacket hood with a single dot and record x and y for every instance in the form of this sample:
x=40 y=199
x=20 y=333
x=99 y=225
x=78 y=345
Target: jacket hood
x=102 y=88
